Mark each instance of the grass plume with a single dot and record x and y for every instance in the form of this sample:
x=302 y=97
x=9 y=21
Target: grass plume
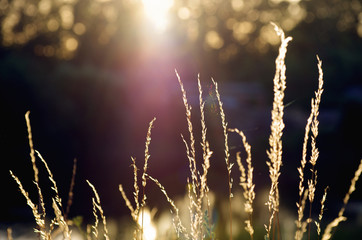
x=140 y=203
x=198 y=189
x=227 y=153
x=331 y=226
x=246 y=182
x=201 y=226
x=31 y=145
x=277 y=126
x=39 y=218
x=45 y=232
x=179 y=228
x=320 y=216
x=98 y=208
x=310 y=129
x=190 y=147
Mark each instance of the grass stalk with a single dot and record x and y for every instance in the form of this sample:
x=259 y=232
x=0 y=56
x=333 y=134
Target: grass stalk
x=179 y=228
x=41 y=204
x=190 y=148
x=40 y=221
x=51 y=178
x=31 y=145
x=200 y=220
x=145 y=166
x=311 y=128
x=320 y=216
x=39 y=212
x=277 y=126
x=328 y=232
x=140 y=203
x=227 y=154
x=71 y=189
x=246 y=182
x=197 y=185
x=98 y=208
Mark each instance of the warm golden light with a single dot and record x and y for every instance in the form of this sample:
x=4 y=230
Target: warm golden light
x=79 y=28
x=71 y=44
x=149 y=229
x=156 y=12
x=214 y=40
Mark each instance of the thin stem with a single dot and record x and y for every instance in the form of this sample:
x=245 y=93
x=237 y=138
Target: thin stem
x=310 y=217
x=143 y=212
x=230 y=210
x=251 y=221
x=278 y=226
x=71 y=188
x=273 y=229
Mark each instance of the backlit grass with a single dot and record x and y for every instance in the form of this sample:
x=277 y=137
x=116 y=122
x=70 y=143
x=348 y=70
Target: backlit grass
x=200 y=223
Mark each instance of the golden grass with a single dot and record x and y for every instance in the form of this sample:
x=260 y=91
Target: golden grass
x=331 y=226
x=246 y=182
x=45 y=231
x=31 y=145
x=311 y=128
x=138 y=210
x=190 y=147
x=39 y=219
x=300 y=224
x=227 y=153
x=201 y=226
x=320 y=216
x=198 y=189
x=179 y=228
x=98 y=208
x=277 y=127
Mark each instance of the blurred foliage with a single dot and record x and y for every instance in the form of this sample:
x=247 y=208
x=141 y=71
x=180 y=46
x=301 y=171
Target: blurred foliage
x=60 y=28
x=225 y=39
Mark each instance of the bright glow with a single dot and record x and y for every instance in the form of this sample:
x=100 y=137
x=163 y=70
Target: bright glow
x=156 y=12
x=71 y=44
x=214 y=40
x=149 y=229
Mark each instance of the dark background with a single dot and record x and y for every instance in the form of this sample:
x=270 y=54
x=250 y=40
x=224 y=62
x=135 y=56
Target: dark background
x=92 y=89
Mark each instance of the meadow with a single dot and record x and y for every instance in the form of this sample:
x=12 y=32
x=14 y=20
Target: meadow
x=195 y=221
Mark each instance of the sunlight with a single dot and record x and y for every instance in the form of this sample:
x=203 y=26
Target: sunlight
x=156 y=12
x=149 y=229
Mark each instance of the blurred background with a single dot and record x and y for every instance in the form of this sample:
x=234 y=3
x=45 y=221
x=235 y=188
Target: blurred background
x=94 y=73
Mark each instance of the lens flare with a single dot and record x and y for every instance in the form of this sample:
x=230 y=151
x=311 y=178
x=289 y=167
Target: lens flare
x=156 y=12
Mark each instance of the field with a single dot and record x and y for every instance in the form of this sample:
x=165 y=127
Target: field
x=194 y=218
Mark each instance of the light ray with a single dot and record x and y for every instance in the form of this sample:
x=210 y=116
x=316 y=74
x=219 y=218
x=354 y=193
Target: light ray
x=156 y=12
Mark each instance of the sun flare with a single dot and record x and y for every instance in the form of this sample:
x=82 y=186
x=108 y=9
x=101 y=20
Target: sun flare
x=156 y=12
x=149 y=229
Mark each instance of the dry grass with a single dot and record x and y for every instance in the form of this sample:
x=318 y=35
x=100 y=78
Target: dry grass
x=331 y=226
x=227 y=153
x=275 y=162
x=246 y=182
x=198 y=188
x=200 y=219
x=98 y=208
x=311 y=128
x=277 y=127
x=138 y=210
x=45 y=230
x=50 y=229
x=320 y=216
